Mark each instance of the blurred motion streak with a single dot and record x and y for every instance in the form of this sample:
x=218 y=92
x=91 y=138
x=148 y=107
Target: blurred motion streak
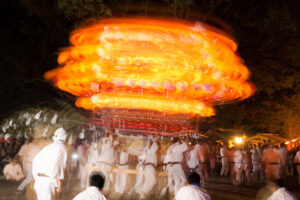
x=169 y=66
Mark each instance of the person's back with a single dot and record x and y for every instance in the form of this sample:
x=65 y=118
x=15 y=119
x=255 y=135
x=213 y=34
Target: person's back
x=93 y=192
x=193 y=191
x=279 y=192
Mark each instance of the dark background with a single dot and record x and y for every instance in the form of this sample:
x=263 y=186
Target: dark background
x=267 y=32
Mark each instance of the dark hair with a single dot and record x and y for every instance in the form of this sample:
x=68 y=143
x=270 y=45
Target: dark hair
x=97 y=180
x=279 y=182
x=193 y=178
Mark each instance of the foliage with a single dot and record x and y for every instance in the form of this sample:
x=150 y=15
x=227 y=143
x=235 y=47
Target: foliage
x=83 y=9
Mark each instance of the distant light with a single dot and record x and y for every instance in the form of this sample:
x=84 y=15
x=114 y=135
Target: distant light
x=238 y=140
x=286 y=142
x=74 y=156
x=293 y=140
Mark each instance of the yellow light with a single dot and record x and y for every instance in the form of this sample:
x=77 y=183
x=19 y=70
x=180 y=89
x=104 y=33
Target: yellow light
x=286 y=142
x=168 y=66
x=238 y=140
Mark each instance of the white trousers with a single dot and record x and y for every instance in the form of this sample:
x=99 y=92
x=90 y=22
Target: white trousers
x=225 y=167
x=149 y=179
x=45 y=188
x=139 y=179
x=178 y=176
x=83 y=175
x=105 y=168
x=28 y=177
x=121 y=179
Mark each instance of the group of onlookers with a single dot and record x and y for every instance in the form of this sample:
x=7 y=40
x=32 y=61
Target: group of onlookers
x=184 y=161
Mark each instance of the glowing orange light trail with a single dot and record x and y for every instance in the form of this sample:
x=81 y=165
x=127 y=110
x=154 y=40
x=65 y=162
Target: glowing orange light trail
x=173 y=67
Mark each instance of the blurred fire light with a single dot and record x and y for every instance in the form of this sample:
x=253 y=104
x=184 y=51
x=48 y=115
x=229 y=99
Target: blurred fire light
x=169 y=66
x=238 y=140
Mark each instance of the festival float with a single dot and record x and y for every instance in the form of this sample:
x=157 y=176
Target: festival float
x=150 y=76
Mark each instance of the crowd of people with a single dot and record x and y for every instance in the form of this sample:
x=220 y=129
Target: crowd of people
x=185 y=165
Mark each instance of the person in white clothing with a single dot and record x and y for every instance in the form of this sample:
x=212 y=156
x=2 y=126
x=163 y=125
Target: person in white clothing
x=192 y=191
x=203 y=162
x=121 y=178
x=93 y=192
x=192 y=158
x=283 y=165
x=48 y=167
x=279 y=192
x=224 y=160
x=13 y=171
x=237 y=166
x=28 y=155
x=271 y=160
x=174 y=157
x=150 y=163
x=107 y=160
x=297 y=163
x=83 y=152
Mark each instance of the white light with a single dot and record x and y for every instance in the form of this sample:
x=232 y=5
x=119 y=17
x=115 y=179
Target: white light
x=238 y=140
x=286 y=142
x=74 y=156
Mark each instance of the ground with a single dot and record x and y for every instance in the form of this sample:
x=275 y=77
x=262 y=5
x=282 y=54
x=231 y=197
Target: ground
x=219 y=188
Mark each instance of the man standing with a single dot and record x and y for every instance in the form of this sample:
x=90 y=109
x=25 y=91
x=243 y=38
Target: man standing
x=297 y=163
x=121 y=178
x=83 y=151
x=174 y=156
x=149 y=179
x=192 y=158
x=27 y=157
x=48 y=167
x=106 y=160
x=224 y=160
x=271 y=161
x=283 y=154
x=203 y=158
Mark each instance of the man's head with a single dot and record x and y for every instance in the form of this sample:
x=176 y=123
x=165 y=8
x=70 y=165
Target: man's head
x=97 y=180
x=194 y=178
x=60 y=135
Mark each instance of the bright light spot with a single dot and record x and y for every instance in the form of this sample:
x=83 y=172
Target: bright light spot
x=238 y=140
x=286 y=142
x=74 y=156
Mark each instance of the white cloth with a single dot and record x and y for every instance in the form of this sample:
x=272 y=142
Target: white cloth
x=50 y=161
x=107 y=159
x=192 y=192
x=175 y=154
x=13 y=172
x=107 y=152
x=121 y=178
x=282 y=194
x=91 y=193
x=192 y=157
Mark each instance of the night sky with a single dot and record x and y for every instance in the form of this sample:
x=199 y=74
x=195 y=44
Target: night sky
x=267 y=33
